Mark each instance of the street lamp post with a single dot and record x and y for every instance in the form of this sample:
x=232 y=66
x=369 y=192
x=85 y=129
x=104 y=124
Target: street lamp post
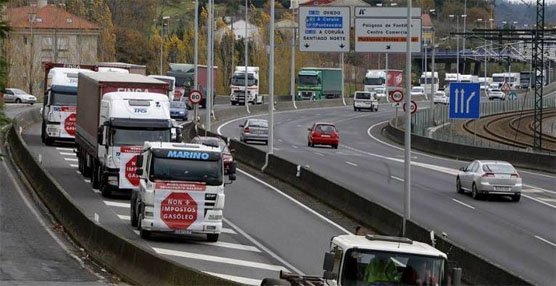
x=457 y=40
x=162 y=40
x=246 y=44
x=195 y=61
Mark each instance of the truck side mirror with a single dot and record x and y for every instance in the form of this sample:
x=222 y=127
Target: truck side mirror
x=328 y=264
x=139 y=172
x=100 y=135
x=139 y=161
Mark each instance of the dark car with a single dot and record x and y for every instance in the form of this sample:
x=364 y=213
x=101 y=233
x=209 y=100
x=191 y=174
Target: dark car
x=323 y=133
x=219 y=143
x=178 y=110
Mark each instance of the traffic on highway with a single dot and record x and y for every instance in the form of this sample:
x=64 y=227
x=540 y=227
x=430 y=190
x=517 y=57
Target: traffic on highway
x=359 y=156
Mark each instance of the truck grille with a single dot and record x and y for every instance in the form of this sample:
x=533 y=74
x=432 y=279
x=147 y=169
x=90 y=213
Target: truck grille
x=240 y=96
x=307 y=94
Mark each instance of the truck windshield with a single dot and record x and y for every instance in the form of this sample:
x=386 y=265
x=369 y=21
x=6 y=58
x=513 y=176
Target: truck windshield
x=137 y=137
x=209 y=172
x=374 y=81
x=499 y=79
x=308 y=80
x=368 y=267
x=239 y=79
x=63 y=99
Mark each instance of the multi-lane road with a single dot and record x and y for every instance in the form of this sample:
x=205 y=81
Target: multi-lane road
x=265 y=229
x=520 y=237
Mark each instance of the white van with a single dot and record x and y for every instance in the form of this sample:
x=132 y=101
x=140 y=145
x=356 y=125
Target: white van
x=365 y=100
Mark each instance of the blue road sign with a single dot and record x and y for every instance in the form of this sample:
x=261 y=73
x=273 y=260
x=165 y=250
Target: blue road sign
x=465 y=100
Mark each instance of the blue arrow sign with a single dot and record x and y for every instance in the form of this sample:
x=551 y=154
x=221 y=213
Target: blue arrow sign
x=465 y=100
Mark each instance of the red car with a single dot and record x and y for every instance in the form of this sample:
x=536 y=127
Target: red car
x=323 y=133
x=218 y=143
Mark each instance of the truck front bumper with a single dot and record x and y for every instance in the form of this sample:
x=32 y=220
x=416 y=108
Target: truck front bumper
x=111 y=178
x=53 y=130
x=211 y=224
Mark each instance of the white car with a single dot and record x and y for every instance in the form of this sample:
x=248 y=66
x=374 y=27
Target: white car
x=18 y=96
x=496 y=94
x=440 y=97
x=418 y=91
x=364 y=100
x=380 y=92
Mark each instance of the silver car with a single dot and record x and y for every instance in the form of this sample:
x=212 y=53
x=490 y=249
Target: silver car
x=484 y=178
x=496 y=94
x=18 y=96
x=254 y=130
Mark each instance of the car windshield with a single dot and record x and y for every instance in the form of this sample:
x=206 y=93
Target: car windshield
x=137 y=137
x=209 y=172
x=308 y=79
x=177 y=104
x=325 y=128
x=374 y=81
x=363 y=95
x=63 y=99
x=258 y=123
x=499 y=168
x=498 y=79
x=239 y=79
x=361 y=267
x=169 y=81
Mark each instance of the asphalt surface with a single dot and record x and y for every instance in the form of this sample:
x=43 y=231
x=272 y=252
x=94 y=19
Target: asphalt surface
x=265 y=231
x=520 y=237
x=33 y=250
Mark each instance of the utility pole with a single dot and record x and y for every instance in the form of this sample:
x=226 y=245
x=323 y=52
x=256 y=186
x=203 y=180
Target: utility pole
x=407 y=139
x=538 y=66
x=209 y=66
x=195 y=61
x=292 y=63
x=246 y=44
x=271 y=84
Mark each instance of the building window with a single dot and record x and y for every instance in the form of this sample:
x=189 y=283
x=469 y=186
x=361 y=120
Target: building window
x=25 y=40
x=69 y=20
x=47 y=43
x=63 y=43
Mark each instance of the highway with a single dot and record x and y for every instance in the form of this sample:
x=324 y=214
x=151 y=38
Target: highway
x=33 y=250
x=265 y=230
x=520 y=237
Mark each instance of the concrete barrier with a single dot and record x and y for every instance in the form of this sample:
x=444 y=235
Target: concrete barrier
x=476 y=270
x=135 y=263
x=522 y=159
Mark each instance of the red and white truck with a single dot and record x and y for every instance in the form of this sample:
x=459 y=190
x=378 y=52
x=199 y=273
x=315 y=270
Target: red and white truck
x=60 y=99
x=116 y=114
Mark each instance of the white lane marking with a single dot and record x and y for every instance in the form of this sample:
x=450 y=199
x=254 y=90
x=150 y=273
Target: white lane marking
x=531 y=191
x=262 y=247
x=539 y=201
x=96 y=191
x=64 y=149
x=295 y=201
x=280 y=140
x=299 y=125
x=71 y=159
x=464 y=204
x=117 y=204
x=537 y=174
x=397 y=178
x=350 y=163
x=540 y=238
x=320 y=154
x=87 y=181
x=294 y=147
x=228 y=230
x=41 y=221
x=136 y=232
x=540 y=189
x=74 y=165
x=230 y=245
x=549 y=200
x=218 y=259
x=67 y=154
x=242 y=280
x=276 y=149
x=78 y=172
x=124 y=217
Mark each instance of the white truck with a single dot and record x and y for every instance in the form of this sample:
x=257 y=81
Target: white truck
x=511 y=78
x=181 y=190
x=377 y=260
x=116 y=114
x=429 y=82
x=237 y=86
x=377 y=79
x=60 y=100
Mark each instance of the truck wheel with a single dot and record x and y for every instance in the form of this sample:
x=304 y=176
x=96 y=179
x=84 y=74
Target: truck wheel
x=43 y=131
x=132 y=207
x=274 y=282
x=234 y=103
x=145 y=234
x=212 y=237
x=86 y=169
x=48 y=141
x=105 y=190
x=95 y=179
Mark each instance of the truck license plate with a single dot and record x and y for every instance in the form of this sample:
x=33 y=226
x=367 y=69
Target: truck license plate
x=182 y=231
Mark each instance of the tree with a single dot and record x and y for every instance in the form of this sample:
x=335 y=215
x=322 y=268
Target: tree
x=130 y=46
x=4 y=30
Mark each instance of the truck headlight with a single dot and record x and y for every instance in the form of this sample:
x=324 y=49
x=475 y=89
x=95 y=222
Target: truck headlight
x=112 y=180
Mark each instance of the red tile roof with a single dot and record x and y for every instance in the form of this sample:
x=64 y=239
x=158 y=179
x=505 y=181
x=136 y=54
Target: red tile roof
x=47 y=17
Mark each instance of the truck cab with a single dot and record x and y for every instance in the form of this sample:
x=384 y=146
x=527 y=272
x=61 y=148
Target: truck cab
x=181 y=190
x=378 y=260
x=319 y=83
x=59 y=104
x=374 y=79
x=237 y=86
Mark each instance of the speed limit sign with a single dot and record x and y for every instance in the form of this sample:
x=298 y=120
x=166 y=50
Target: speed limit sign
x=195 y=97
x=412 y=106
x=396 y=95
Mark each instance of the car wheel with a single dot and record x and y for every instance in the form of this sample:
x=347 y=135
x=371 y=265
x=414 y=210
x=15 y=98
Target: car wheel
x=516 y=198
x=212 y=237
x=458 y=186
x=17 y=100
x=335 y=146
x=133 y=210
x=354 y=108
x=309 y=143
x=475 y=193
x=274 y=282
x=31 y=103
x=184 y=118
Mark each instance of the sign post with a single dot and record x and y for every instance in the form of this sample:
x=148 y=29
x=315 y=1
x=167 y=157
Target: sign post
x=195 y=98
x=324 y=29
